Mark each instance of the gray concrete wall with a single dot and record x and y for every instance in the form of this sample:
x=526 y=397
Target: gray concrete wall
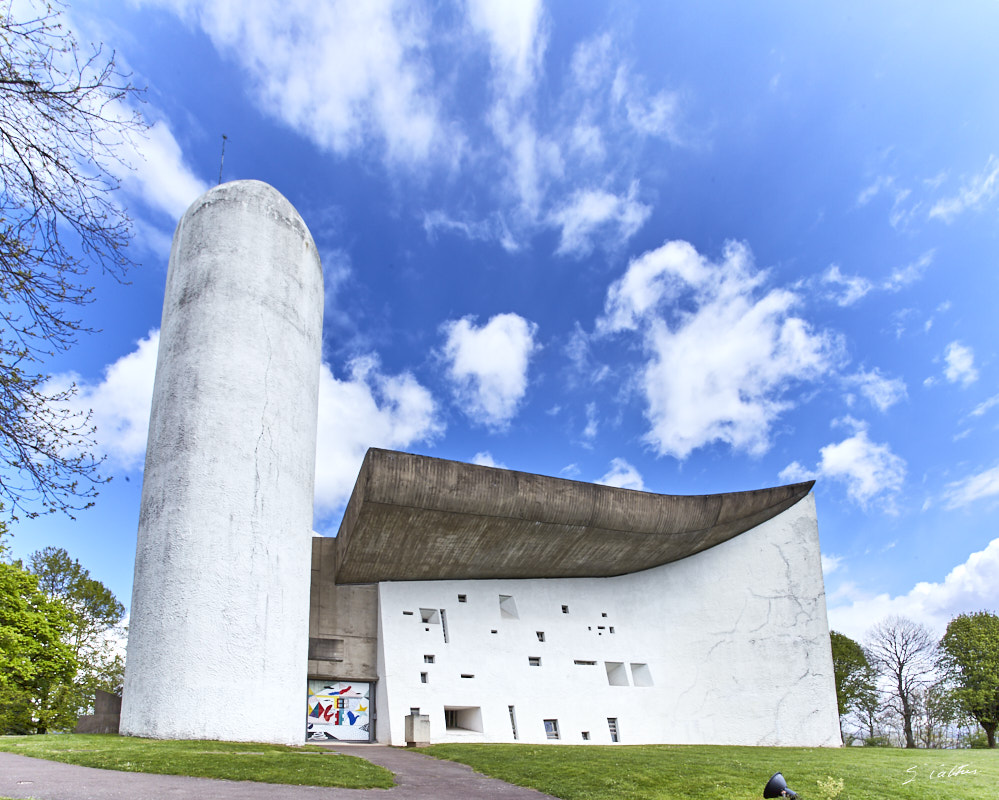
x=218 y=635
x=348 y=614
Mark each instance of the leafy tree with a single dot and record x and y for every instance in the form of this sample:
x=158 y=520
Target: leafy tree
x=855 y=678
x=936 y=711
x=34 y=660
x=94 y=614
x=904 y=653
x=970 y=657
x=64 y=121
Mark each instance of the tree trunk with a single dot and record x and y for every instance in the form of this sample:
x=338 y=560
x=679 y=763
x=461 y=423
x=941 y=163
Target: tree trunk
x=910 y=741
x=990 y=733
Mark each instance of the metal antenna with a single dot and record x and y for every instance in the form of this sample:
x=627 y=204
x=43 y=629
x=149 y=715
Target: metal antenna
x=222 y=160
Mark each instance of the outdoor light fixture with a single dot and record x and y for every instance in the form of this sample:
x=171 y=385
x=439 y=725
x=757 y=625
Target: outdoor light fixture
x=777 y=787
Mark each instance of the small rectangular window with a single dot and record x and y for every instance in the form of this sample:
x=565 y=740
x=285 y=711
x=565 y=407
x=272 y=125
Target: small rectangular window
x=534 y=661
x=423 y=677
x=612 y=726
x=462 y=598
x=541 y=636
x=444 y=625
x=513 y=722
x=467 y=675
x=551 y=728
x=586 y=736
x=407 y=613
x=565 y=609
x=430 y=616
x=428 y=659
x=493 y=631
x=611 y=629
x=579 y=663
x=603 y=613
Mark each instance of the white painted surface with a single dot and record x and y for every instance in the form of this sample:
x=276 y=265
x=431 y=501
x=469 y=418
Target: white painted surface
x=218 y=639
x=734 y=642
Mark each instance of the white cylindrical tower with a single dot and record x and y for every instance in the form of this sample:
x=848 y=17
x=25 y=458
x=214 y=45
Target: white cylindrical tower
x=218 y=631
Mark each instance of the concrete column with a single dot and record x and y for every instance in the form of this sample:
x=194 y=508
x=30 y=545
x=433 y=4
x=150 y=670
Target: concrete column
x=218 y=639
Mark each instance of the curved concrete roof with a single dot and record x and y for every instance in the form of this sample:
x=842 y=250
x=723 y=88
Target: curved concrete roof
x=419 y=518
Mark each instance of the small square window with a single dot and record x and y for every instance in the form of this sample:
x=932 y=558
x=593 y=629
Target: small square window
x=551 y=728
x=534 y=661
x=611 y=629
x=492 y=631
x=462 y=598
x=565 y=609
x=423 y=677
x=541 y=636
x=603 y=613
x=586 y=736
x=428 y=659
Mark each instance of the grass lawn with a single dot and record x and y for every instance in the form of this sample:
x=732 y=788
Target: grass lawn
x=734 y=773
x=307 y=765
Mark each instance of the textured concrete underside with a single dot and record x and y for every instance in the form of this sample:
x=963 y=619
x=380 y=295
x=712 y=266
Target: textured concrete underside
x=418 y=518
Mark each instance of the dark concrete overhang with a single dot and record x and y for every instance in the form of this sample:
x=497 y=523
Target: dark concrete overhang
x=419 y=518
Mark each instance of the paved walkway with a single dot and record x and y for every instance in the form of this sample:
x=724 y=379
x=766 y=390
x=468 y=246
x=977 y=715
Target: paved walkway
x=417 y=777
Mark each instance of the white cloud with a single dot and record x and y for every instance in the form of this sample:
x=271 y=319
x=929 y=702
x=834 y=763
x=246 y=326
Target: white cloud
x=870 y=470
x=976 y=192
x=488 y=366
x=910 y=273
x=722 y=353
x=491 y=229
x=882 y=391
x=649 y=115
x=622 y=475
x=342 y=73
x=159 y=174
x=591 y=63
x=974 y=487
x=485 y=459
x=968 y=587
x=367 y=409
x=830 y=564
x=120 y=403
x=517 y=41
x=591 y=210
x=984 y=406
x=851 y=287
x=960 y=364
x=590 y=431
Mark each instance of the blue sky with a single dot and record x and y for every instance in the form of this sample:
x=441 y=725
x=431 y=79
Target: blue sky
x=685 y=248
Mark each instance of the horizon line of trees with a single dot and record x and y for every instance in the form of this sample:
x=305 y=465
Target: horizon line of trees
x=903 y=688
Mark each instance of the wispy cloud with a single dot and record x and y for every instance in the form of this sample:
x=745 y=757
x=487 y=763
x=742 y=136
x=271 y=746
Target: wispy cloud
x=882 y=391
x=974 y=487
x=591 y=210
x=977 y=190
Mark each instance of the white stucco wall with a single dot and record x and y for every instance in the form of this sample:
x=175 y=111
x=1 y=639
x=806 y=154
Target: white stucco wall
x=218 y=639
x=735 y=640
